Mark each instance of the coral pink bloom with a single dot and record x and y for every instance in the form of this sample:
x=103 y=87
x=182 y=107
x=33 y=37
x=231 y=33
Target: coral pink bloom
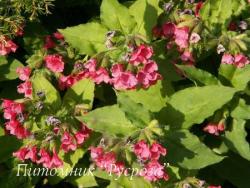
x=142 y=150
x=7 y=103
x=91 y=65
x=45 y=158
x=117 y=70
x=25 y=88
x=66 y=82
x=49 y=43
x=155 y=171
x=7 y=46
x=187 y=56
x=101 y=75
x=141 y=55
x=54 y=63
x=9 y=114
x=55 y=162
x=157 y=150
x=157 y=32
x=32 y=154
x=181 y=36
x=15 y=128
x=96 y=153
x=21 y=153
x=198 y=8
x=194 y=38
x=126 y=80
x=241 y=60
x=68 y=143
x=24 y=73
x=168 y=29
x=58 y=36
x=106 y=161
x=147 y=79
x=82 y=135
x=214 y=129
x=227 y=59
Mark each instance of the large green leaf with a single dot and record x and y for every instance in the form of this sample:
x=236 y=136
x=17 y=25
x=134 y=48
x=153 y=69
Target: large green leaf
x=236 y=139
x=242 y=110
x=83 y=181
x=126 y=182
x=11 y=144
x=117 y=17
x=186 y=150
x=87 y=38
x=52 y=96
x=199 y=75
x=81 y=92
x=153 y=98
x=146 y=18
x=241 y=77
x=8 y=68
x=136 y=113
x=110 y=120
x=193 y=105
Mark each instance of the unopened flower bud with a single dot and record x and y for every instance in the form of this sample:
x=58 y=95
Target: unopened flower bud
x=220 y=49
x=243 y=25
x=168 y=6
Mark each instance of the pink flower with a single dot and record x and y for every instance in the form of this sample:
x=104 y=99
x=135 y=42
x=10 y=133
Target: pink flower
x=82 y=135
x=15 y=128
x=25 y=88
x=58 y=36
x=21 y=153
x=32 y=154
x=227 y=59
x=126 y=80
x=24 y=73
x=96 y=153
x=157 y=32
x=141 y=55
x=68 y=142
x=11 y=109
x=194 y=38
x=54 y=63
x=241 y=60
x=142 y=150
x=117 y=70
x=91 y=65
x=7 y=46
x=66 y=82
x=181 y=37
x=106 y=161
x=49 y=43
x=187 y=56
x=198 y=8
x=55 y=162
x=155 y=171
x=45 y=158
x=157 y=150
x=214 y=129
x=168 y=29
x=101 y=75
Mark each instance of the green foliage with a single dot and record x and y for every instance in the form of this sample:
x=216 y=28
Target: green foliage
x=8 y=68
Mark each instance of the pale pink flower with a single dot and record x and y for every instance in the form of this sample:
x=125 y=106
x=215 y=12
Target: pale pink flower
x=21 y=153
x=181 y=36
x=187 y=56
x=91 y=65
x=25 y=88
x=227 y=59
x=241 y=60
x=142 y=151
x=68 y=142
x=15 y=128
x=126 y=80
x=155 y=171
x=194 y=38
x=45 y=158
x=117 y=70
x=141 y=55
x=55 y=162
x=101 y=75
x=214 y=129
x=32 y=154
x=24 y=73
x=157 y=150
x=7 y=46
x=54 y=63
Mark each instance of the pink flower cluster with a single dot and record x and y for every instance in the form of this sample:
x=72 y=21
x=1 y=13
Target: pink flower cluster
x=154 y=170
x=54 y=63
x=49 y=42
x=106 y=161
x=122 y=79
x=7 y=46
x=42 y=157
x=14 y=114
x=214 y=129
x=239 y=60
x=26 y=86
x=70 y=143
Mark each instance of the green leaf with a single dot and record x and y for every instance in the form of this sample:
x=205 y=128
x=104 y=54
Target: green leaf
x=11 y=144
x=87 y=38
x=8 y=68
x=152 y=98
x=242 y=111
x=238 y=6
x=216 y=14
x=193 y=105
x=135 y=182
x=52 y=96
x=186 y=150
x=199 y=75
x=83 y=181
x=241 y=77
x=226 y=72
x=110 y=120
x=147 y=17
x=236 y=139
x=81 y=92
x=136 y=113
x=116 y=16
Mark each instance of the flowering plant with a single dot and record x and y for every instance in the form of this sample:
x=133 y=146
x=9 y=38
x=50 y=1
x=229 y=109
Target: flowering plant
x=148 y=93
